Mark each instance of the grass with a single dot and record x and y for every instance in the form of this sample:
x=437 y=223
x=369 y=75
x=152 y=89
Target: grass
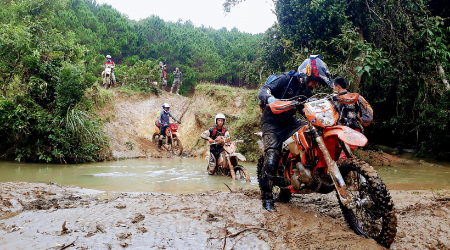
x=79 y=125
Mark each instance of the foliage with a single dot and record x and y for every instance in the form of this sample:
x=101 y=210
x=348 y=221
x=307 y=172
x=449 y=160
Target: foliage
x=390 y=51
x=140 y=77
x=248 y=124
x=202 y=54
x=42 y=80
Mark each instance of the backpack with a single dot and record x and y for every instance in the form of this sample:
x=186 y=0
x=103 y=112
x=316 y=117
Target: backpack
x=366 y=111
x=291 y=74
x=272 y=77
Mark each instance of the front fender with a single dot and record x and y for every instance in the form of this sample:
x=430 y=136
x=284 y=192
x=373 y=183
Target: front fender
x=177 y=135
x=239 y=156
x=347 y=135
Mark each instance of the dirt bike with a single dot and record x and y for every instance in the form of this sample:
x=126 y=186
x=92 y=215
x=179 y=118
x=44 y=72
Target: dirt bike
x=309 y=165
x=228 y=162
x=171 y=142
x=107 y=77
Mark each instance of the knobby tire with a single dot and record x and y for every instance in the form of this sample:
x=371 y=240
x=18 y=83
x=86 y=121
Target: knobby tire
x=381 y=222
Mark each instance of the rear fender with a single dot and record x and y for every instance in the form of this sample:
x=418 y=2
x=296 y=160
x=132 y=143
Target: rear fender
x=349 y=98
x=347 y=135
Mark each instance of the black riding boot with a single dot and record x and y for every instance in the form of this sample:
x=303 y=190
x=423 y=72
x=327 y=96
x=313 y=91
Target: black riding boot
x=271 y=159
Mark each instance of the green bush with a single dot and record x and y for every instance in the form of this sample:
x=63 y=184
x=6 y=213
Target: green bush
x=140 y=77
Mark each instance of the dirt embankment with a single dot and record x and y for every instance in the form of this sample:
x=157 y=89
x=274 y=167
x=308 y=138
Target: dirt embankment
x=41 y=216
x=131 y=122
x=208 y=101
x=131 y=119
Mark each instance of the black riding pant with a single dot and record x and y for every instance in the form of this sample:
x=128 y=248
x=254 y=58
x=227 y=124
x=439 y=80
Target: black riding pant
x=162 y=133
x=273 y=137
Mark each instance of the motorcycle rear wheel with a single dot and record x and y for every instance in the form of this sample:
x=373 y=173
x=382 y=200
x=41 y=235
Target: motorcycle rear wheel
x=280 y=194
x=374 y=216
x=177 y=147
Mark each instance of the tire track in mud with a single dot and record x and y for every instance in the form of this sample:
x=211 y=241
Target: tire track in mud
x=201 y=221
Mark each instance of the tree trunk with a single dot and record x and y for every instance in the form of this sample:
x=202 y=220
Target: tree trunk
x=260 y=73
x=362 y=56
x=444 y=80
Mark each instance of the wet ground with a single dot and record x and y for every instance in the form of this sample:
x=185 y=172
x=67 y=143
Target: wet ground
x=43 y=216
x=175 y=210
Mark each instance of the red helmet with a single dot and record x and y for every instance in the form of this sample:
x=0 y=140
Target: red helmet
x=315 y=69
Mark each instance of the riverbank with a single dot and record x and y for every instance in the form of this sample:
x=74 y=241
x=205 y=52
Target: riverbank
x=44 y=216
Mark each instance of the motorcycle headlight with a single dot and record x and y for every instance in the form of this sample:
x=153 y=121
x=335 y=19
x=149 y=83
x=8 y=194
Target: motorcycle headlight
x=326 y=118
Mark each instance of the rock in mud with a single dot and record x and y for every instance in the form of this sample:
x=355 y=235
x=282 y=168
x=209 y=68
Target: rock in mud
x=138 y=218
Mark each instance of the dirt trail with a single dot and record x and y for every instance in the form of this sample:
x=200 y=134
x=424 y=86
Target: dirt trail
x=38 y=216
x=132 y=120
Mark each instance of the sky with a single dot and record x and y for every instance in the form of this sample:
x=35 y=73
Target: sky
x=251 y=16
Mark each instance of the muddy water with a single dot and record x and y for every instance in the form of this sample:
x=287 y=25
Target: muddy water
x=431 y=174
x=189 y=175
x=150 y=175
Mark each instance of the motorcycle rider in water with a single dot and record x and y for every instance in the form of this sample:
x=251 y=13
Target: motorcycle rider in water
x=215 y=134
x=276 y=128
x=164 y=121
x=109 y=62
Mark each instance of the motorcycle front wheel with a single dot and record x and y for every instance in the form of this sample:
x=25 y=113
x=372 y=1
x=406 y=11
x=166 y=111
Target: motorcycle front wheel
x=373 y=214
x=107 y=83
x=177 y=147
x=242 y=173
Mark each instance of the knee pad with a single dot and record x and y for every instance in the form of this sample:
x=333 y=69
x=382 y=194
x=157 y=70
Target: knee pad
x=272 y=158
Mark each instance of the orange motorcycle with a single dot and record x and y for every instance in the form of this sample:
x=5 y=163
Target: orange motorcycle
x=310 y=164
x=171 y=141
x=228 y=162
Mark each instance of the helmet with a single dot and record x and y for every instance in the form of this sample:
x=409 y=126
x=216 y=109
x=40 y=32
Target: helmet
x=315 y=69
x=220 y=116
x=108 y=57
x=166 y=105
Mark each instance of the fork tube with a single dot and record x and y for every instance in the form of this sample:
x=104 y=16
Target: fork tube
x=233 y=175
x=333 y=169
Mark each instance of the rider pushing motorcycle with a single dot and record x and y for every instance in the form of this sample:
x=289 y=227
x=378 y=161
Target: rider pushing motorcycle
x=215 y=134
x=164 y=120
x=277 y=128
x=109 y=62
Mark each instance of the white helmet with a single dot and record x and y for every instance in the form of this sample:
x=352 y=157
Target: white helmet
x=166 y=105
x=220 y=116
x=108 y=57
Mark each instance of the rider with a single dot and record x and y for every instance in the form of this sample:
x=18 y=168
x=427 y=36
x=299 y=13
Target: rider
x=109 y=62
x=165 y=121
x=277 y=128
x=215 y=134
x=177 y=81
x=349 y=114
x=163 y=76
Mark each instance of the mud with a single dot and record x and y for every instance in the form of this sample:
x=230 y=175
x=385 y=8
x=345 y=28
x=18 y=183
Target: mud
x=42 y=216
